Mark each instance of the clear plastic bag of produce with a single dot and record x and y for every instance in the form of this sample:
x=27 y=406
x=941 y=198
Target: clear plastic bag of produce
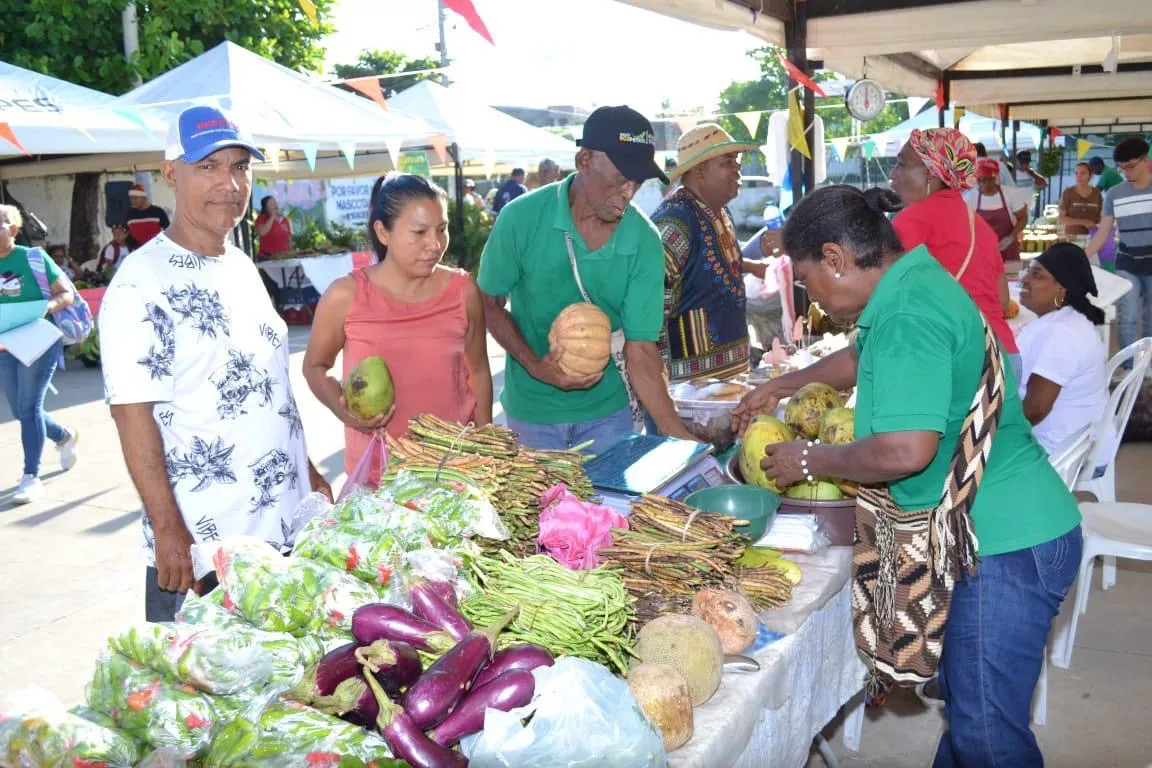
x=289 y=735
x=214 y=660
x=37 y=732
x=286 y=594
x=580 y=713
x=153 y=711
x=367 y=549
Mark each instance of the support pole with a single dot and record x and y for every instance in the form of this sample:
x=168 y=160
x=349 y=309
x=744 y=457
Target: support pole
x=796 y=43
x=1015 y=130
x=946 y=90
x=458 y=178
x=440 y=14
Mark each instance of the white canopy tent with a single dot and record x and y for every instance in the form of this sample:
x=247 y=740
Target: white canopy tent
x=285 y=111
x=48 y=116
x=976 y=127
x=485 y=136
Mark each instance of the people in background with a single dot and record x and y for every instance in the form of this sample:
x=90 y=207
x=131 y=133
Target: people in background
x=1104 y=177
x=273 y=228
x=932 y=171
x=583 y=232
x=917 y=366
x=144 y=220
x=765 y=318
x=68 y=265
x=1080 y=205
x=1006 y=180
x=196 y=371
x=1063 y=386
x=548 y=171
x=1026 y=176
x=424 y=319
x=706 y=323
x=470 y=196
x=1005 y=209
x=1129 y=206
x=25 y=386
x=510 y=190
x=114 y=252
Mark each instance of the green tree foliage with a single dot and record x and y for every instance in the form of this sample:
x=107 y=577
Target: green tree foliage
x=770 y=92
x=376 y=62
x=82 y=40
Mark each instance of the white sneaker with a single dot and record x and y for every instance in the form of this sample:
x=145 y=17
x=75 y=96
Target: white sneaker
x=29 y=490
x=68 y=450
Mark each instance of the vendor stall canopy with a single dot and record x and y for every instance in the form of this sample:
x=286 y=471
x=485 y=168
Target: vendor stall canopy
x=1081 y=66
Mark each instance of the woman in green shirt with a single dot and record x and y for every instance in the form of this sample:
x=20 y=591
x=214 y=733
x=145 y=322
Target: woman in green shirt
x=917 y=364
x=24 y=386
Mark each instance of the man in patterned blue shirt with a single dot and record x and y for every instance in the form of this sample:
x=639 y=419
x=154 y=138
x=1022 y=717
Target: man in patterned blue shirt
x=195 y=363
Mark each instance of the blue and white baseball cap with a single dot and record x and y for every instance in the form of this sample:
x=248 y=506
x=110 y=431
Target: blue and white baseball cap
x=202 y=130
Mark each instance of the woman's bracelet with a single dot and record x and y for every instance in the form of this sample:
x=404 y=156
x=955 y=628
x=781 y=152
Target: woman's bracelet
x=804 y=460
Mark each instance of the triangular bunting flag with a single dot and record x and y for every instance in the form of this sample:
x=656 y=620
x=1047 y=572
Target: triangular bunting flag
x=840 y=147
x=439 y=144
x=7 y=134
x=348 y=149
x=392 y=144
x=1082 y=148
x=309 y=9
x=798 y=76
x=77 y=125
x=751 y=121
x=132 y=116
x=370 y=87
x=272 y=154
x=868 y=149
x=1034 y=133
x=466 y=9
x=310 y=148
x=796 y=135
x=940 y=103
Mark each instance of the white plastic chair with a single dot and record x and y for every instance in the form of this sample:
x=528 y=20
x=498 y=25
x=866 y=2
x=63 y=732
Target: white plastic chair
x=1068 y=461
x=1110 y=430
x=1113 y=529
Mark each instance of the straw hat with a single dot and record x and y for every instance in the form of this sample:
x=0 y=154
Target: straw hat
x=702 y=143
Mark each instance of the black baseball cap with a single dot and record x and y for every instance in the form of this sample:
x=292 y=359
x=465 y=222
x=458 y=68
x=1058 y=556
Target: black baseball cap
x=626 y=137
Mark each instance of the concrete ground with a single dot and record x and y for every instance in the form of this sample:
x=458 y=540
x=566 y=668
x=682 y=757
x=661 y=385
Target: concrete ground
x=72 y=576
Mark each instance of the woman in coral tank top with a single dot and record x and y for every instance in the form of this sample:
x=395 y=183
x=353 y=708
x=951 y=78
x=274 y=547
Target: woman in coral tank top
x=424 y=319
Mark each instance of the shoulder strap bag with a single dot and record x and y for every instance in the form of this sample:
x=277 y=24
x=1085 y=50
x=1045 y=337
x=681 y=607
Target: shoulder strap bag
x=905 y=563
x=617 y=343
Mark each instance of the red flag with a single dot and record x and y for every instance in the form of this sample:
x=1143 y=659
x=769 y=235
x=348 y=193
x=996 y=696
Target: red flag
x=797 y=76
x=1054 y=132
x=370 y=87
x=7 y=134
x=466 y=9
x=940 y=103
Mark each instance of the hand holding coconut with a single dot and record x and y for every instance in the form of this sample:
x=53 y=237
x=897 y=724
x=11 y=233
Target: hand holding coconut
x=368 y=396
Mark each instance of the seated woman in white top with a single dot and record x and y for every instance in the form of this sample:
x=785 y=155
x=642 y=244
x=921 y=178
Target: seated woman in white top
x=1063 y=385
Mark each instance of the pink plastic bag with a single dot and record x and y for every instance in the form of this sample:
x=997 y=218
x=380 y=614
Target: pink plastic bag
x=573 y=531
x=366 y=475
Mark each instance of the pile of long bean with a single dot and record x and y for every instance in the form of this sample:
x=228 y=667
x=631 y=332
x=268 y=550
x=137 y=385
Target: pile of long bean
x=671 y=550
x=490 y=458
x=575 y=613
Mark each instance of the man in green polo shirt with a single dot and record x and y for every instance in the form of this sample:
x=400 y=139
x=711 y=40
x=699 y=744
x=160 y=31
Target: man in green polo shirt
x=588 y=226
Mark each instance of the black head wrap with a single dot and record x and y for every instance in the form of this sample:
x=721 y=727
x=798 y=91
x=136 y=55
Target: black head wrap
x=1070 y=266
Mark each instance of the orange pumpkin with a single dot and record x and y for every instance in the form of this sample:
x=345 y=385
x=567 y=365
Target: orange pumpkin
x=585 y=334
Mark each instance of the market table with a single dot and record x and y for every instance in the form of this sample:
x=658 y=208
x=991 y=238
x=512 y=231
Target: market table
x=769 y=718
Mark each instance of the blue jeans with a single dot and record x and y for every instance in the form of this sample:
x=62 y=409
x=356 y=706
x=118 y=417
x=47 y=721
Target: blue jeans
x=604 y=433
x=24 y=387
x=1134 y=306
x=993 y=651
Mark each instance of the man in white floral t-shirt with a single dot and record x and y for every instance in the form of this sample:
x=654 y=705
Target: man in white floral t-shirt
x=195 y=365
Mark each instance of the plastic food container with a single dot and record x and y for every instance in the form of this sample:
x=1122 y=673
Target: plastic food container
x=709 y=420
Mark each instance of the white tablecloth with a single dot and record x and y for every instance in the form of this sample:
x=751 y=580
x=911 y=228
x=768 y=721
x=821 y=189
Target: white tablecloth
x=767 y=719
x=320 y=271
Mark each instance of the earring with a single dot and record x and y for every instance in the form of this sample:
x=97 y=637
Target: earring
x=837 y=275
x=1057 y=302
x=928 y=191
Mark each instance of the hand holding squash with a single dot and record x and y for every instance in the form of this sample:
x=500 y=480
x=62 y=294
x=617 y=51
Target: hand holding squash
x=550 y=371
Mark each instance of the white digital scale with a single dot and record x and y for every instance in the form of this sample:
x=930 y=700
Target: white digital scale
x=664 y=466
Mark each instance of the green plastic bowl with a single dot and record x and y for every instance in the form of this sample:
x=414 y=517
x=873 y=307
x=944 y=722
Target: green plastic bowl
x=744 y=502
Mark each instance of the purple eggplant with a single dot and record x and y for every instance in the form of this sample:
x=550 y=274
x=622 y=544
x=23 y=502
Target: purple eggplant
x=508 y=691
x=429 y=700
x=380 y=621
x=396 y=665
x=335 y=686
x=428 y=603
x=405 y=739
x=523 y=656
x=446 y=590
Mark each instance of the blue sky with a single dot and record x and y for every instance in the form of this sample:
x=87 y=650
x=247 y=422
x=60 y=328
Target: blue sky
x=584 y=52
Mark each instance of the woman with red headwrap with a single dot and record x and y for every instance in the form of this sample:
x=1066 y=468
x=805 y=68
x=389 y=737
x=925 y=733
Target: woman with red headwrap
x=932 y=171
